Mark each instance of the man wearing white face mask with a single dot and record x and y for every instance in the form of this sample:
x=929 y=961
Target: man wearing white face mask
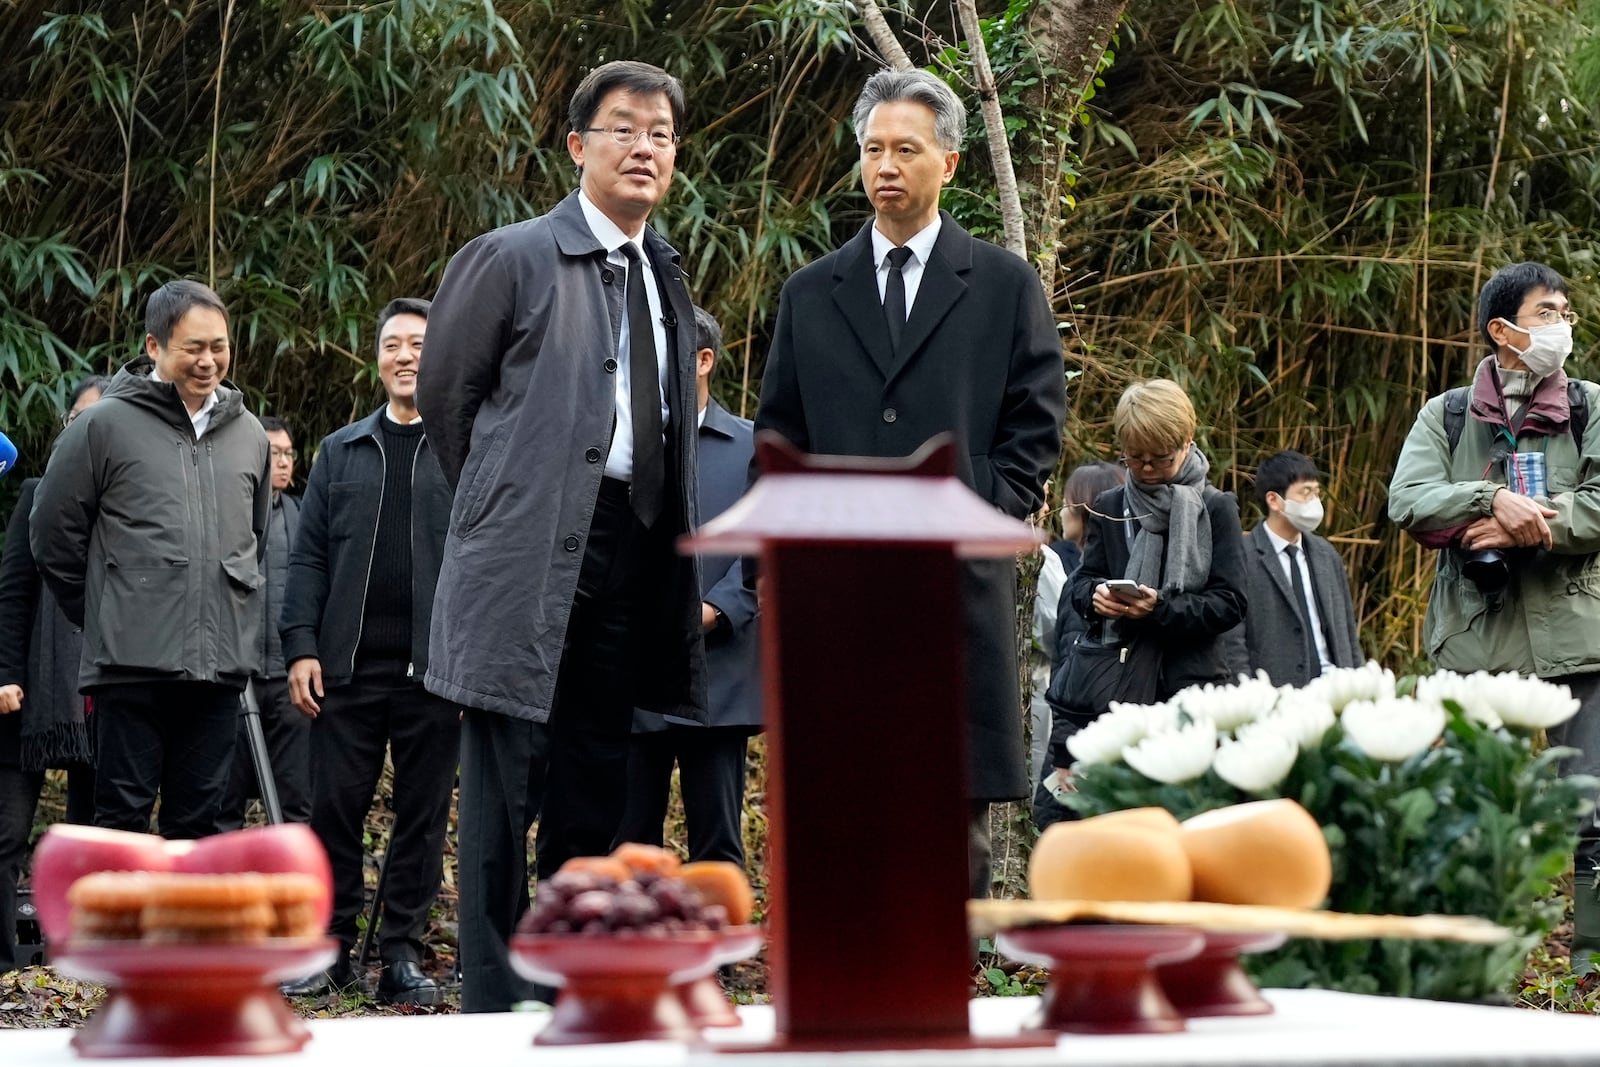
x=1300 y=621
x=1518 y=580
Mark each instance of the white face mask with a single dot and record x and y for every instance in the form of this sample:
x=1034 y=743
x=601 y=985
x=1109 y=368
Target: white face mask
x=1548 y=347
x=1304 y=516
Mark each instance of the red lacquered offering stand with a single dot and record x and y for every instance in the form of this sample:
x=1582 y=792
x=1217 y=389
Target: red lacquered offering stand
x=192 y=1000
x=703 y=997
x=616 y=987
x=1103 y=978
x=1212 y=983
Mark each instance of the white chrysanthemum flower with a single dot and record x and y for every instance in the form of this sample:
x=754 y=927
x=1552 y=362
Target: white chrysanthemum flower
x=1103 y=740
x=1175 y=756
x=1259 y=760
x=1340 y=685
x=1469 y=690
x=1394 y=729
x=1528 y=703
x=1229 y=706
x=1301 y=717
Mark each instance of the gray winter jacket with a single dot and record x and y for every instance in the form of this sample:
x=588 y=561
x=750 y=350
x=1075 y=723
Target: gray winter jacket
x=152 y=539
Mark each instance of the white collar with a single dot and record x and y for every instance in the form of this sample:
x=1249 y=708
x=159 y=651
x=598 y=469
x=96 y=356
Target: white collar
x=608 y=233
x=205 y=405
x=1279 y=543
x=921 y=243
x=388 y=413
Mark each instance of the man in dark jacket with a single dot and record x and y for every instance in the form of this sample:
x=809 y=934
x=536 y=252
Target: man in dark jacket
x=149 y=527
x=709 y=757
x=286 y=730
x=1291 y=573
x=355 y=635
x=560 y=400
x=912 y=329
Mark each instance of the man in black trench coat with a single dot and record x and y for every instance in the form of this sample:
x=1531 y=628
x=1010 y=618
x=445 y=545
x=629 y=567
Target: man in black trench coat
x=915 y=328
x=559 y=398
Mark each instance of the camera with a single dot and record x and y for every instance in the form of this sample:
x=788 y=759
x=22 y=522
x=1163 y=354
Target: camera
x=1486 y=568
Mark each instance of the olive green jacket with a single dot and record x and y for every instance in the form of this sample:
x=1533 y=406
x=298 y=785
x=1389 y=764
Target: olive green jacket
x=1547 y=621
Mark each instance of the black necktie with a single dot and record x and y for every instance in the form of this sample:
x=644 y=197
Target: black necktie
x=1303 y=602
x=649 y=462
x=894 y=296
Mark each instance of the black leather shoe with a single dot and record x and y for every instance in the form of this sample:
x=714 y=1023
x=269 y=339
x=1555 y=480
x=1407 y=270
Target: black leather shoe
x=340 y=976
x=403 y=982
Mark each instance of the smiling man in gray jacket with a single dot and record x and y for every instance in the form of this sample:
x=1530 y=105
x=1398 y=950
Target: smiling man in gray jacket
x=148 y=527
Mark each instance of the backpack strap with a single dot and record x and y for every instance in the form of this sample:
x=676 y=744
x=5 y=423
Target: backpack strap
x=1455 y=414
x=1578 y=408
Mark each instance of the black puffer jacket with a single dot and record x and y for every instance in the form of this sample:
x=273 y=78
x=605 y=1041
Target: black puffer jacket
x=151 y=539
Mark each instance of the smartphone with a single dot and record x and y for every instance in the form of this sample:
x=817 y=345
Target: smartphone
x=1124 y=589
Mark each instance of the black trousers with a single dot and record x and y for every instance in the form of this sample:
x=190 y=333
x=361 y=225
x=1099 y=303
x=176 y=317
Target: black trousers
x=1582 y=732
x=383 y=709
x=710 y=761
x=570 y=774
x=288 y=736
x=19 y=799
x=171 y=738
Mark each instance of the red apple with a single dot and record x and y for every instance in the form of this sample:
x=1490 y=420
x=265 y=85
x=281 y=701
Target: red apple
x=289 y=847
x=66 y=853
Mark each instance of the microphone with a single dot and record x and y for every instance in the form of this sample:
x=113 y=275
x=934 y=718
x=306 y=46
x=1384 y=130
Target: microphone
x=8 y=455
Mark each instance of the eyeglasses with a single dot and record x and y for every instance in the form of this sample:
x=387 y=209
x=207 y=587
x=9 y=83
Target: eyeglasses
x=283 y=453
x=1151 y=463
x=661 y=138
x=1550 y=316
x=66 y=418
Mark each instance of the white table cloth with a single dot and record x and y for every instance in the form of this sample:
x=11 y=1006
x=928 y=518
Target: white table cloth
x=1311 y=1027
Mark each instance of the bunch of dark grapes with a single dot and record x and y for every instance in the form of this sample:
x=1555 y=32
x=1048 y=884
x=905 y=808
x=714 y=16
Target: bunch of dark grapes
x=581 y=902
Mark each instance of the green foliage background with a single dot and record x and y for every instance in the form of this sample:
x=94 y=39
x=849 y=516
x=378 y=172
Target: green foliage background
x=1286 y=204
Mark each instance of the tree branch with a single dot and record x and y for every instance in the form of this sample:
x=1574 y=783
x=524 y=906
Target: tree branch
x=883 y=37
x=994 y=124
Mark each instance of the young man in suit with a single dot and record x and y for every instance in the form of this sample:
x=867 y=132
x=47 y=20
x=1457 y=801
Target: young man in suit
x=561 y=403
x=1301 y=620
x=710 y=757
x=915 y=328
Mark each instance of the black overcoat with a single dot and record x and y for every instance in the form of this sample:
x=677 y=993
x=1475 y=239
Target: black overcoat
x=518 y=397
x=981 y=360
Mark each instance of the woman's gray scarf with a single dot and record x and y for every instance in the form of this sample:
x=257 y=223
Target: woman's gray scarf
x=1171 y=549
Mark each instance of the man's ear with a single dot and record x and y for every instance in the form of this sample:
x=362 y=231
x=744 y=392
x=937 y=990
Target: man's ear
x=704 y=360
x=151 y=348
x=1500 y=332
x=575 y=147
x=1274 y=502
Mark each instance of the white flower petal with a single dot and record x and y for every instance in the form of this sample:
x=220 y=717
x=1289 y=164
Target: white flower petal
x=1257 y=761
x=1229 y=706
x=1467 y=690
x=1301 y=718
x=1175 y=756
x=1529 y=703
x=1103 y=740
x=1394 y=729
x=1341 y=685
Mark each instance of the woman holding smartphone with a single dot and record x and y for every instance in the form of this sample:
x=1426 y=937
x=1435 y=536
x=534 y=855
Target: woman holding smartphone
x=1163 y=555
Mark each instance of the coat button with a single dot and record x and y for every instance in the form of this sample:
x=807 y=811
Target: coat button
x=608 y=275
x=890 y=414
x=570 y=544
x=610 y=366
x=592 y=455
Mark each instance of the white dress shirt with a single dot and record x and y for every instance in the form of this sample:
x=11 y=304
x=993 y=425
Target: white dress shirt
x=619 y=462
x=1278 y=545
x=921 y=245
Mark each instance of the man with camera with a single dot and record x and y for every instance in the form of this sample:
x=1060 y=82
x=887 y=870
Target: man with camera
x=1503 y=478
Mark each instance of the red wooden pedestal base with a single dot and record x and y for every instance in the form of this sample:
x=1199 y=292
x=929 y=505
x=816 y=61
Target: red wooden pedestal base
x=1213 y=983
x=617 y=987
x=193 y=1000
x=703 y=998
x=1103 y=978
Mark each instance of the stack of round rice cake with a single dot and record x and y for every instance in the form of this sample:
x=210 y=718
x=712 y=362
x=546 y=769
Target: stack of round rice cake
x=195 y=909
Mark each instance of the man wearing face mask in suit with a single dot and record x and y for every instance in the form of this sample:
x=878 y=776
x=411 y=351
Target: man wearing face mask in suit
x=1300 y=621
x=1518 y=581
